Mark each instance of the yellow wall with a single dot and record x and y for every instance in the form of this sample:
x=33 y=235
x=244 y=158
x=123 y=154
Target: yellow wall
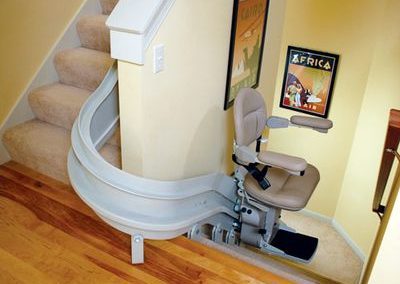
x=347 y=28
x=182 y=130
x=28 y=31
x=354 y=207
x=130 y=110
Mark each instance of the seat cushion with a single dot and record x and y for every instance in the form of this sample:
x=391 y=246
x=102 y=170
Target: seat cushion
x=287 y=191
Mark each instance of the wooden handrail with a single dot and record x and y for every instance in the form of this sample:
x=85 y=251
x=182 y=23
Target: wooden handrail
x=389 y=153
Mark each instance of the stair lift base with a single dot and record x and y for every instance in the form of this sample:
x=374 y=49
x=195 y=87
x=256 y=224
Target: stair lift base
x=258 y=226
x=262 y=227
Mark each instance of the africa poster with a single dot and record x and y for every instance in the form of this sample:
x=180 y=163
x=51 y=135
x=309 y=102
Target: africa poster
x=247 y=41
x=308 y=81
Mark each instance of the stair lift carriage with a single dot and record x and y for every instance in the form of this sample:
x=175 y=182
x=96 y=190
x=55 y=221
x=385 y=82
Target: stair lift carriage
x=269 y=182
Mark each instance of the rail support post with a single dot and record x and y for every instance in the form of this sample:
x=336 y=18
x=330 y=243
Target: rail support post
x=137 y=247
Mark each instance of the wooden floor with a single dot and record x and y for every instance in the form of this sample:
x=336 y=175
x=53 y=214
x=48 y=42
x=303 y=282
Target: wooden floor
x=48 y=235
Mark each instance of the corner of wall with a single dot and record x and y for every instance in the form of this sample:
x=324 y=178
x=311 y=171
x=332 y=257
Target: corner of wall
x=272 y=52
x=354 y=209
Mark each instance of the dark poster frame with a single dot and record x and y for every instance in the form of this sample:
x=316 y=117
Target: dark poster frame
x=313 y=66
x=236 y=21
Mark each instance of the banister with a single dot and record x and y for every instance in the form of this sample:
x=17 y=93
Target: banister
x=389 y=153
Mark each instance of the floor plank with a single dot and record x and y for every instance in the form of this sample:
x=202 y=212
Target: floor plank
x=48 y=235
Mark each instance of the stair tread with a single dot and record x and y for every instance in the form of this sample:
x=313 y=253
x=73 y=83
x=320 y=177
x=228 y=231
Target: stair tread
x=112 y=154
x=57 y=103
x=108 y=6
x=44 y=147
x=82 y=67
x=94 y=33
x=115 y=139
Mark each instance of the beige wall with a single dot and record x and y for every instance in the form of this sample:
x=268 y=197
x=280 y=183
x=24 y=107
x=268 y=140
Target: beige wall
x=28 y=31
x=354 y=207
x=347 y=28
x=385 y=265
x=173 y=123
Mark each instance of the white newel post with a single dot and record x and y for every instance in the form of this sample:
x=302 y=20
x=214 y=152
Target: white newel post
x=133 y=24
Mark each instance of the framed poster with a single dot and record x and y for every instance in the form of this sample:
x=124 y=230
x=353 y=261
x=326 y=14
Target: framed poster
x=247 y=42
x=308 y=81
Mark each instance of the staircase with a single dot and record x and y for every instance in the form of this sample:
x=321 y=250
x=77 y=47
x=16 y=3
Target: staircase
x=43 y=143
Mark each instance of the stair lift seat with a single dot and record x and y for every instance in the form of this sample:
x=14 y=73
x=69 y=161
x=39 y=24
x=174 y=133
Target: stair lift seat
x=287 y=191
x=269 y=182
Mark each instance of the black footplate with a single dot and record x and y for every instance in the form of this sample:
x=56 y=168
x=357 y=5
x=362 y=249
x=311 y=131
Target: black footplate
x=295 y=244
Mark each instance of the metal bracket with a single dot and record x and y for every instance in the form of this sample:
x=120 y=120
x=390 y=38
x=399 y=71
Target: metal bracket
x=194 y=233
x=137 y=247
x=230 y=238
x=264 y=246
x=217 y=234
x=394 y=152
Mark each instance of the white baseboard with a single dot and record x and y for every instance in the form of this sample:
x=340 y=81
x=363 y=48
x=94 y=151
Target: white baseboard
x=341 y=231
x=357 y=250
x=316 y=215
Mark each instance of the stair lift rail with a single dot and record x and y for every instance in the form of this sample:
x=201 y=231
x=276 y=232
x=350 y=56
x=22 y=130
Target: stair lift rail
x=141 y=207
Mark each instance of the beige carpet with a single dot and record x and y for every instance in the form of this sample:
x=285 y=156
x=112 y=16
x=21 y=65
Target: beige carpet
x=334 y=259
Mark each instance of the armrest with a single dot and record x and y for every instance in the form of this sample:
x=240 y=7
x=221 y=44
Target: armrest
x=318 y=124
x=290 y=163
x=277 y=122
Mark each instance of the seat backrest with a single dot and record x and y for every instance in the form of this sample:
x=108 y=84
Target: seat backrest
x=249 y=116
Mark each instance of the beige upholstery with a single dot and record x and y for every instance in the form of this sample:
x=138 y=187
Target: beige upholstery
x=283 y=161
x=250 y=116
x=287 y=191
x=319 y=124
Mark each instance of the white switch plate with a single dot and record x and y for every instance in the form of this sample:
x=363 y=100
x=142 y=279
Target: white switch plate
x=158 y=60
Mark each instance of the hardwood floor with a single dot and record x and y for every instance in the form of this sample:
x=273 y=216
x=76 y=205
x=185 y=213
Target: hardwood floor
x=48 y=235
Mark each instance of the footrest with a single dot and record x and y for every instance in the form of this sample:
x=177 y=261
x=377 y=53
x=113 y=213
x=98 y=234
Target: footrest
x=295 y=245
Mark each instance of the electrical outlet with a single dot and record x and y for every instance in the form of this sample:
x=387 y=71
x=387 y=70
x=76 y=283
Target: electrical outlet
x=158 y=60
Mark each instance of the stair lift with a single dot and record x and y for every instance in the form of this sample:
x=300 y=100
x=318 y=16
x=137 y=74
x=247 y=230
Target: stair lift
x=244 y=208
x=269 y=182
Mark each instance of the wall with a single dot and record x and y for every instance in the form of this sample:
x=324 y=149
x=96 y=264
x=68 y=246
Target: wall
x=347 y=28
x=385 y=266
x=173 y=123
x=355 y=203
x=29 y=29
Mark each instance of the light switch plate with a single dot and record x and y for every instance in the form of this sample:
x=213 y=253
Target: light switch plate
x=158 y=60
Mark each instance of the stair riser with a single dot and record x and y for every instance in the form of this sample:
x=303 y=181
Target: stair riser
x=93 y=33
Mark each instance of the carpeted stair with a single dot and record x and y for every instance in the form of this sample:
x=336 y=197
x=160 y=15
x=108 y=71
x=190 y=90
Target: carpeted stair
x=43 y=143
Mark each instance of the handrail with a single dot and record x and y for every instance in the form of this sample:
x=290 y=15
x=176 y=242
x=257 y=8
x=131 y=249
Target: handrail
x=133 y=24
x=389 y=153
